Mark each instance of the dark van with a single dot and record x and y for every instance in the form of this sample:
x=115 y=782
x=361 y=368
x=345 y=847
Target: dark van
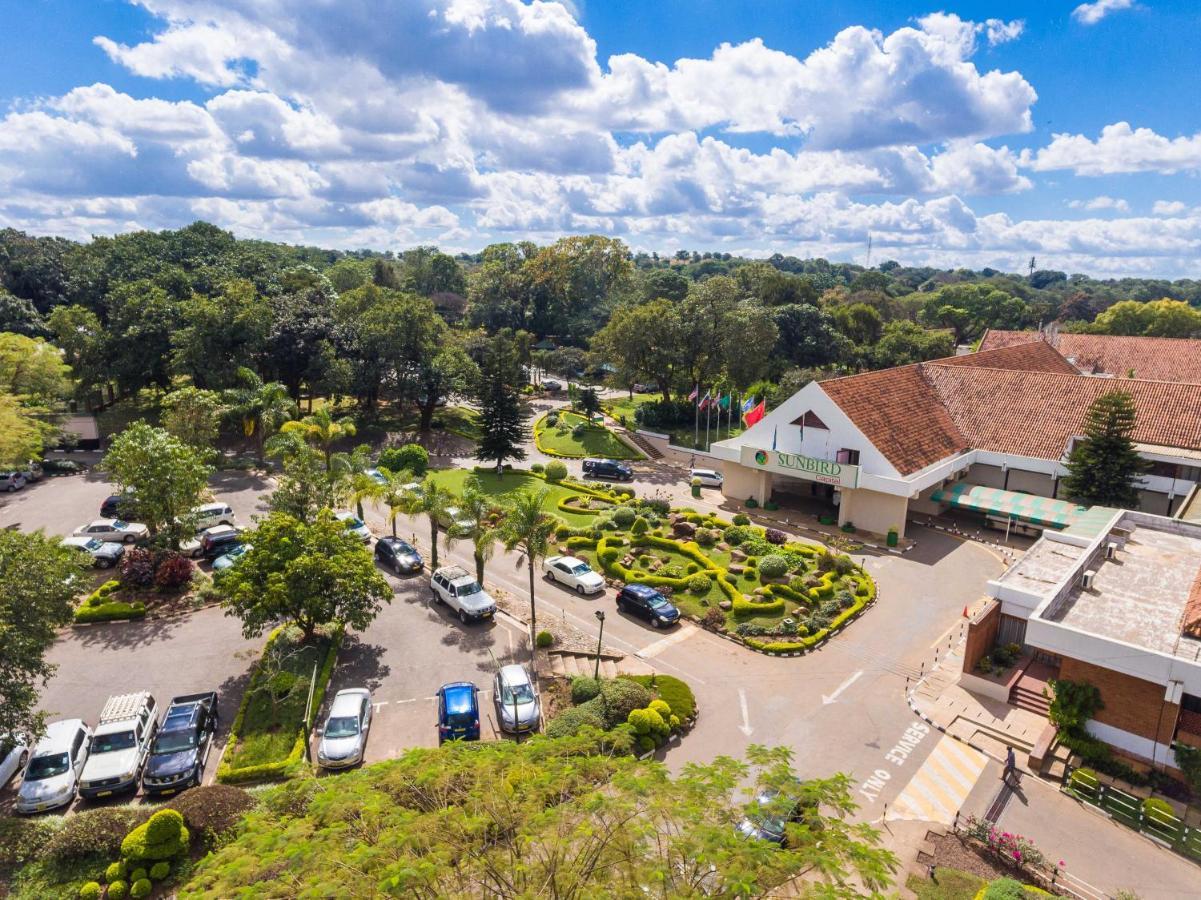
x=609 y=469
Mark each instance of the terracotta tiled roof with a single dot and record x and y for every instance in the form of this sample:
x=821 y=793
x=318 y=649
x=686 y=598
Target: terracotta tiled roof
x=899 y=412
x=1191 y=623
x=1024 y=400
x=1150 y=358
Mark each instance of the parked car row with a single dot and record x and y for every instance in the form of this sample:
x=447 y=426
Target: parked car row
x=127 y=748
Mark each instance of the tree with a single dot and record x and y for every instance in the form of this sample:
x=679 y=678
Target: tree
x=860 y=322
x=20 y=316
x=38 y=580
x=1159 y=318
x=165 y=475
x=142 y=317
x=902 y=343
x=808 y=337
x=194 y=416
x=474 y=524
x=262 y=407
x=502 y=414
x=664 y=284
x=1103 y=467
x=305 y=487
x=321 y=431
x=644 y=342
x=81 y=336
x=309 y=574
x=564 y=818
x=432 y=500
x=220 y=335
x=442 y=374
x=22 y=435
x=969 y=309
x=33 y=370
x=750 y=335
x=396 y=495
x=589 y=402
x=528 y=529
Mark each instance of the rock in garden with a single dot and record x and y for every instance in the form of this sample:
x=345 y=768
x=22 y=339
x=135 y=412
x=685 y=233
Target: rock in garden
x=726 y=605
x=683 y=529
x=737 y=554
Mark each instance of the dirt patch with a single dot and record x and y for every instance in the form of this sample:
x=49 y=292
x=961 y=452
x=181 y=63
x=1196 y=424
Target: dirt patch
x=952 y=853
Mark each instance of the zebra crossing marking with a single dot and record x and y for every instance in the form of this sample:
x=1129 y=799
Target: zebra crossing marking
x=939 y=788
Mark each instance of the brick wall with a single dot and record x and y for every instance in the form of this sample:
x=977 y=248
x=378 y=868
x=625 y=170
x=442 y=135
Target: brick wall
x=981 y=634
x=1131 y=704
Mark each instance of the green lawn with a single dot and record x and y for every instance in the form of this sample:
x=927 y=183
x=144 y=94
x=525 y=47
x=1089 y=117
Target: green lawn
x=454 y=419
x=952 y=884
x=270 y=726
x=626 y=405
x=505 y=485
x=597 y=440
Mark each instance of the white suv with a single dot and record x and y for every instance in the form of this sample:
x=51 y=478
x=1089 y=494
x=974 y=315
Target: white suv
x=120 y=744
x=211 y=514
x=462 y=593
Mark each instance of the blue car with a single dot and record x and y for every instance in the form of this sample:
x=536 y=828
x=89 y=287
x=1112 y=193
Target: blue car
x=227 y=560
x=458 y=712
x=647 y=603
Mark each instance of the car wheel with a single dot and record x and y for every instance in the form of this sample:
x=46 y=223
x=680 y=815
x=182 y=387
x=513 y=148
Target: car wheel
x=579 y=589
x=437 y=598
x=105 y=564
x=621 y=607
x=399 y=569
x=655 y=623
x=129 y=539
x=462 y=617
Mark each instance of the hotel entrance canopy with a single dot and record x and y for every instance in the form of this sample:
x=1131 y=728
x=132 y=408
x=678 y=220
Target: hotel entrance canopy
x=1020 y=507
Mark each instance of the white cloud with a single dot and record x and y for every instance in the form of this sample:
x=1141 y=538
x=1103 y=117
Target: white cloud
x=1102 y=202
x=205 y=52
x=1168 y=207
x=1092 y=13
x=1119 y=149
x=998 y=31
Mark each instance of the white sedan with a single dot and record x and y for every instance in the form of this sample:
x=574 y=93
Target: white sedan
x=574 y=573
x=354 y=525
x=114 y=530
x=12 y=757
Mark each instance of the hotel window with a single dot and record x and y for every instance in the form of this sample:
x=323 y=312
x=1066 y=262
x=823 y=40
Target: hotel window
x=1189 y=473
x=848 y=457
x=1163 y=469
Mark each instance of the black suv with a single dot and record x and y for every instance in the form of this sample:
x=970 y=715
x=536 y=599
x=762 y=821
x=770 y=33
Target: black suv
x=181 y=746
x=399 y=556
x=117 y=506
x=647 y=603
x=609 y=469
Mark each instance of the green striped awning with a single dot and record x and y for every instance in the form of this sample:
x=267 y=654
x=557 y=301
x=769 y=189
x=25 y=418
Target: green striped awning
x=1011 y=504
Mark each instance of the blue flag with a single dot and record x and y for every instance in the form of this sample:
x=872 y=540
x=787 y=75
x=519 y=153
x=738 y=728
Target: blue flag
x=749 y=405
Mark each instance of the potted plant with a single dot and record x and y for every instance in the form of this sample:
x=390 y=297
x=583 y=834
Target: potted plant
x=893 y=536
x=752 y=503
x=696 y=487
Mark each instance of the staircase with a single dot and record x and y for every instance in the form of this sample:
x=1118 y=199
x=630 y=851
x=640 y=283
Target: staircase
x=1029 y=696
x=569 y=663
x=644 y=445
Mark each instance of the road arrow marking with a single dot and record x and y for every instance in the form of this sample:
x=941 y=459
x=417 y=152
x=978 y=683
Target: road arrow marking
x=827 y=699
x=745 y=727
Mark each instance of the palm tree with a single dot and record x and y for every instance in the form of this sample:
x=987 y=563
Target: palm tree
x=321 y=430
x=395 y=495
x=360 y=486
x=475 y=525
x=528 y=529
x=261 y=406
x=432 y=500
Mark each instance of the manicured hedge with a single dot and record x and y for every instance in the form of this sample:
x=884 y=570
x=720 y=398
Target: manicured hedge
x=97 y=607
x=865 y=592
x=287 y=766
x=671 y=690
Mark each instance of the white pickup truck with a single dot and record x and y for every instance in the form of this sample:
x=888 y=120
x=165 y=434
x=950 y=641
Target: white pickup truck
x=460 y=591
x=120 y=743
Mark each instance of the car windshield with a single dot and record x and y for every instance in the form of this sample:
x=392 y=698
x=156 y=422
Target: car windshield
x=105 y=743
x=47 y=766
x=352 y=522
x=657 y=601
x=581 y=569
x=403 y=549
x=119 y=525
x=466 y=590
x=94 y=544
x=174 y=742
x=516 y=693
x=342 y=727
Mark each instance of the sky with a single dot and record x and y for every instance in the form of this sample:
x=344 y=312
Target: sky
x=963 y=134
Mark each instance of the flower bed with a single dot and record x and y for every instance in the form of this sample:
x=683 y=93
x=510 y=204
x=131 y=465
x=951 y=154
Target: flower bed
x=264 y=741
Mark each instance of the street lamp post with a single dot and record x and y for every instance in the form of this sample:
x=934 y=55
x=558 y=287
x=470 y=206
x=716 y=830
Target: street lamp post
x=600 y=615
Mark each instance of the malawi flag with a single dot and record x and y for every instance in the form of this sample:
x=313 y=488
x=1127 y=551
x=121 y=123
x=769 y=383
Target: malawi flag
x=756 y=414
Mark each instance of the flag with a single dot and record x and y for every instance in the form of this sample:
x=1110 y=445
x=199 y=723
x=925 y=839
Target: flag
x=749 y=405
x=696 y=390
x=756 y=413
x=724 y=402
x=704 y=400
x=774 y=432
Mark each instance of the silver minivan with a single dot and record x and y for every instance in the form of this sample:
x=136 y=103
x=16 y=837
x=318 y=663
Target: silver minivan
x=12 y=481
x=517 y=706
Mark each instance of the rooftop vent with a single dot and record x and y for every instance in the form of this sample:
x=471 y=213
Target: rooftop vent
x=1087 y=582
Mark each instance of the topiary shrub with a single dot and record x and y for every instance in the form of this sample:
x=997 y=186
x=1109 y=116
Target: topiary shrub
x=90 y=891
x=775 y=536
x=117 y=890
x=774 y=565
x=1159 y=811
x=115 y=871
x=640 y=525
x=700 y=584
x=617 y=698
x=138 y=874
x=162 y=836
x=742 y=519
x=537 y=467
x=174 y=572
x=707 y=537
x=555 y=471
x=544 y=639
x=137 y=567
x=736 y=534
x=578 y=430
x=409 y=457
x=212 y=810
x=141 y=888
x=624 y=516
x=570 y=721
x=94 y=832
x=584 y=688
x=160 y=870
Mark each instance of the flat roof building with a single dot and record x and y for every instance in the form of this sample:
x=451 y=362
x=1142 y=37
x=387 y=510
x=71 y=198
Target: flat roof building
x=989 y=432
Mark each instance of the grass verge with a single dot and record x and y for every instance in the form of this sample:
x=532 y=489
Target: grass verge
x=596 y=440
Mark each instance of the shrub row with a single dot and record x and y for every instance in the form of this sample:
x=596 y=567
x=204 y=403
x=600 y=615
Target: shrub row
x=98 y=607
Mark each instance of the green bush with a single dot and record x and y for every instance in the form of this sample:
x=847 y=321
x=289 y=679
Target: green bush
x=570 y=721
x=774 y=566
x=117 y=891
x=640 y=525
x=138 y=874
x=411 y=457
x=584 y=688
x=700 y=584
x=736 y=534
x=141 y=888
x=1084 y=779
x=90 y=891
x=94 y=832
x=618 y=697
x=162 y=836
x=544 y=639
x=1159 y=811
x=707 y=537
x=555 y=471
x=537 y=467
x=741 y=519
x=115 y=871
x=23 y=840
x=624 y=516
x=99 y=607
x=160 y=870
x=209 y=811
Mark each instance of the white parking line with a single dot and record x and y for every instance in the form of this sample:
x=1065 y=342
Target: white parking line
x=683 y=634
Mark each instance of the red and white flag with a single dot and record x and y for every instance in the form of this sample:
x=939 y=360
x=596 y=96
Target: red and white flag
x=757 y=413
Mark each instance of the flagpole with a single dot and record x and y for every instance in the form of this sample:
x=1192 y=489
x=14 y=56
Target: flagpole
x=708 y=415
x=696 y=428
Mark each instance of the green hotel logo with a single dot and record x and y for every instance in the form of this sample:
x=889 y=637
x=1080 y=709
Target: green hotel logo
x=761 y=457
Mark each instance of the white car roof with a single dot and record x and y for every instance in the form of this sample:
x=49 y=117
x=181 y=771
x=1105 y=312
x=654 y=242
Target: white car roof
x=514 y=674
x=570 y=561
x=220 y=529
x=346 y=702
x=77 y=541
x=58 y=736
x=712 y=472
x=204 y=507
x=107 y=522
